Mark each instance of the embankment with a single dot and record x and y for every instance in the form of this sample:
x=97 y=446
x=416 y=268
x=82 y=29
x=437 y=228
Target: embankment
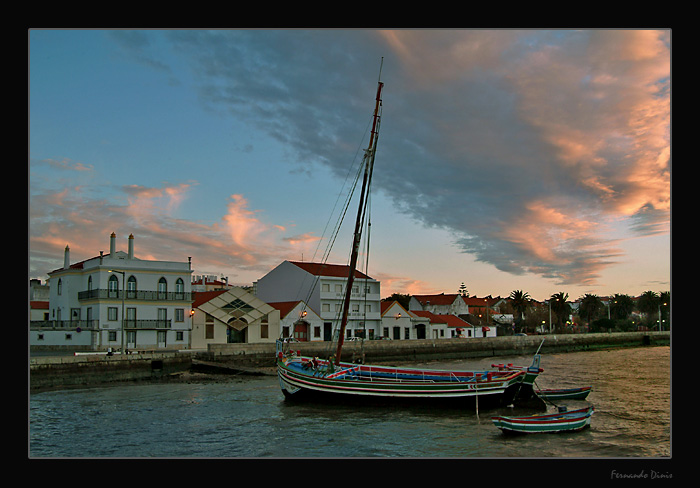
x=86 y=370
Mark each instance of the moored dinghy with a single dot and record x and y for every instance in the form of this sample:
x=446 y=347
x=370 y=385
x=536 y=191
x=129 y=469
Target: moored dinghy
x=564 y=393
x=561 y=421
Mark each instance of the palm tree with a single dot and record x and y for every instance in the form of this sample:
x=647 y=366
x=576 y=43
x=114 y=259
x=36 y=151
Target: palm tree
x=648 y=304
x=621 y=306
x=560 y=308
x=590 y=307
x=521 y=301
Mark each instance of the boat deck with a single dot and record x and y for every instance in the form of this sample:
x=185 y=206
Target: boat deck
x=349 y=371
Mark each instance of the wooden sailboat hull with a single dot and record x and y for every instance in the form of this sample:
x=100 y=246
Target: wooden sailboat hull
x=571 y=421
x=298 y=381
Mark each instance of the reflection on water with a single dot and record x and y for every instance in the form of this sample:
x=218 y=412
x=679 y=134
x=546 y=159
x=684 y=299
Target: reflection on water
x=250 y=418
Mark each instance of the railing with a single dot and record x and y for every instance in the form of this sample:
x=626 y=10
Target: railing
x=148 y=295
x=94 y=324
x=64 y=324
x=147 y=324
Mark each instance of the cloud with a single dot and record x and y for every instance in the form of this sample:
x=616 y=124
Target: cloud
x=240 y=240
x=534 y=148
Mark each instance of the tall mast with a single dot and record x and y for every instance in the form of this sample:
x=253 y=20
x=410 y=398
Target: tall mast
x=369 y=162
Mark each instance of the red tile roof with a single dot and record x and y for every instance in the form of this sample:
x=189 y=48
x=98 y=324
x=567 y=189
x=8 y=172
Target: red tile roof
x=200 y=297
x=440 y=299
x=284 y=307
x=449 y=320
x=324 y=269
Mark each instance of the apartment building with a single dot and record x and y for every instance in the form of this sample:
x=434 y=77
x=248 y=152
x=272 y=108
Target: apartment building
x=322 y=286
x=115 y=301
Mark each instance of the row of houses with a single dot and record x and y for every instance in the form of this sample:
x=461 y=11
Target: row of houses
x=118 y=301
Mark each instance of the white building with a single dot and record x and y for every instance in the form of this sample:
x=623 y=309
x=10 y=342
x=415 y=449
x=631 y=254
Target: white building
x=116 y=300
x=299 y=321
x=450 y=304
x=232 y=315
x=322 y=287
x=399 y=323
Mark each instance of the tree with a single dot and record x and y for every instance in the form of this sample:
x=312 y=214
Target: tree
x=560 y=309
x=403 y=300
x=463 y=290
x=521 y=302
x=621 y=307
x=648 y=304
x=590 y=307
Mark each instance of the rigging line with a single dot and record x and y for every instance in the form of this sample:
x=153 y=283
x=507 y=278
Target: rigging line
x=326 y=253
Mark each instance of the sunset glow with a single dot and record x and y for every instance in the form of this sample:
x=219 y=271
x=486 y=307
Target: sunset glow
x=537 y=160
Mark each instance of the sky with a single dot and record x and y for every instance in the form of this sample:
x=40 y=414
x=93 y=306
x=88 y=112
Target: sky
x=533 y=160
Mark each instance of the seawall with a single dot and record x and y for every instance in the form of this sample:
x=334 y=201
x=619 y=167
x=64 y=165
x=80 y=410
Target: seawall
x=86 y=370
x=439 y=349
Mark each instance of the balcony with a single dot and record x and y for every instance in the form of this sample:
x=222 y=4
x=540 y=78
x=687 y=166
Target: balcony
x=147 y=324
x=144 y=295
x=64 y=324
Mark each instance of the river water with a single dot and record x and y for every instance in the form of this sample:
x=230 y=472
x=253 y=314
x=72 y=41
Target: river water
x=248 y=417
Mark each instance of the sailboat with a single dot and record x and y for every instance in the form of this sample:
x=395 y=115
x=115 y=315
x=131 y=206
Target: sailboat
x=303 y=377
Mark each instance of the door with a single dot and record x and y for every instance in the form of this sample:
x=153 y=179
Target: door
x=131 y=339
x=162 y=335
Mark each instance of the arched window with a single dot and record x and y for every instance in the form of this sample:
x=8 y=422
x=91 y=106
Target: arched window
x=89 y=283
x=131 y=287
x=179 y=289
x=59 y=289
x=162 y=289
x=113 y=287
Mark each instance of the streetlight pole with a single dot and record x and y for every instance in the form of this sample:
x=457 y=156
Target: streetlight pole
x=123 y=273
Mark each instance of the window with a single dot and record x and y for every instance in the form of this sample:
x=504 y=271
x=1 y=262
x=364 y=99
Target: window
x=131 y=287
x=326 y=287
x=112 y=336
x=339 y=288
x=179 y=335
x=112 y=313
x=162 y=316
x=131 y=317
x=326 y=307
x=179 y=288
x=264 y=331
x=59 y=289
x=113 y=287
x=89 y=283
x=179 y=315
x=162 y=289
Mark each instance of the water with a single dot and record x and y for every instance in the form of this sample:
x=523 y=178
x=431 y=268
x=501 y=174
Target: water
x=248 y=417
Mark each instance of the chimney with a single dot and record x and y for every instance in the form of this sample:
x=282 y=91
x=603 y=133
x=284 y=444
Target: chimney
x=66 y=258
x=131 y=246
x=112 y=244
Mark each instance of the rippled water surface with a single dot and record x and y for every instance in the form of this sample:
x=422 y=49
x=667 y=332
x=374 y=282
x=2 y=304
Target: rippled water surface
x=249 y=417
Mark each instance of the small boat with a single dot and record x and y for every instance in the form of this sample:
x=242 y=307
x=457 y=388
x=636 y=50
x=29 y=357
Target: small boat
x=564 y=393
x=561 y=421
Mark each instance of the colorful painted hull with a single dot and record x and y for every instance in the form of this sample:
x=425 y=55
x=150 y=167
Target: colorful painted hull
x=564 y=393
x=571 y=421
x=308 y=377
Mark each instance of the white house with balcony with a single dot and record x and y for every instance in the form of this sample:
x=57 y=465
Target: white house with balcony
x=322 y=286
x=115 y=301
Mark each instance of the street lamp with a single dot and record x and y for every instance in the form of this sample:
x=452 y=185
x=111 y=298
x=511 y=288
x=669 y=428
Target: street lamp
x=123 y=273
